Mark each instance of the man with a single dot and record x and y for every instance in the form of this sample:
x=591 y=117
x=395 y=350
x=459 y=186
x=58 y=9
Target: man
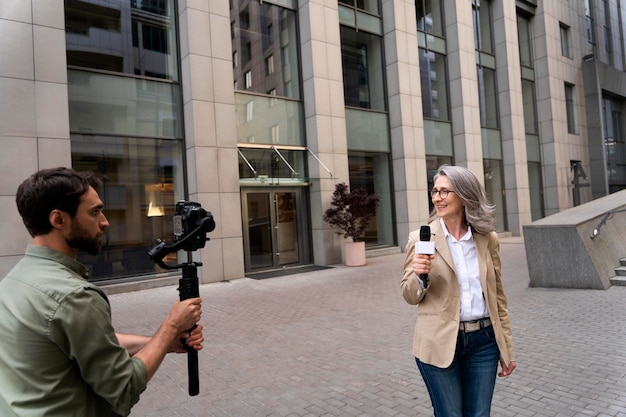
x=59 y=354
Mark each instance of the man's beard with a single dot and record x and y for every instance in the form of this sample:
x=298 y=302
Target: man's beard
x=79 y=240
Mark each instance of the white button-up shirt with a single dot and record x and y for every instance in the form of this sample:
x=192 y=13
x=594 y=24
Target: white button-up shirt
x=473 y=305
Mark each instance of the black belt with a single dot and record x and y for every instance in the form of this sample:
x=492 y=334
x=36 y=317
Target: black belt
x=474 y=325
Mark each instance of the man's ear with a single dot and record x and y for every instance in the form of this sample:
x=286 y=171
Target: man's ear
x=57 y=219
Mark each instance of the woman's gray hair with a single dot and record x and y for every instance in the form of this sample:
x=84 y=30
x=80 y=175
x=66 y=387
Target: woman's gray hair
x=479 y=212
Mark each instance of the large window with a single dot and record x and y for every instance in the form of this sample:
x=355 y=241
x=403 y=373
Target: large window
x=434 y=82
x=267 y=80
x=430 y=17
x=565 y=40
x=531 y=124
x=489 y=109
x=570 y=109
x=361 y=56
x=99 y=36
x=614 y=142
x=142 y=180
x=125 y=116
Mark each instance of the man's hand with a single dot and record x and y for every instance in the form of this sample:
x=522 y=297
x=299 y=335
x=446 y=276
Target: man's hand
x=194 y=340
x=185 y=314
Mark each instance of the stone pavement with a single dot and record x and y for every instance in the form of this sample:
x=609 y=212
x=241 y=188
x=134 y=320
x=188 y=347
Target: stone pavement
x=337 y=342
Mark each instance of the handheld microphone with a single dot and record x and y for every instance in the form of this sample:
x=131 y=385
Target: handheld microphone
x=425 y=247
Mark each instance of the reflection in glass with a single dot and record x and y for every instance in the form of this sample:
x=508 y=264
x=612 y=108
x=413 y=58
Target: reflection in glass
x=433 y=77
x=136 y=37
x=142 y=180
x=266 y=34
x=109 y=104
x=362 y=63
x=429 y=17
x=371 y=172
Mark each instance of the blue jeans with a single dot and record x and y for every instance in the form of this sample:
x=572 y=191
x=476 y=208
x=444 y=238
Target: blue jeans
x=465 y=388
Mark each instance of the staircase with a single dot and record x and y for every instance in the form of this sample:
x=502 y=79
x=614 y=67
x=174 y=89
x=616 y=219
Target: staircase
x=620 y=274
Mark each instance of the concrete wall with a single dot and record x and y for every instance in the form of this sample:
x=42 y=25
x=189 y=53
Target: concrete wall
x=561 y=253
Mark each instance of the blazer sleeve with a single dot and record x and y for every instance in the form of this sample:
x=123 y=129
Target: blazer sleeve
x=506 y=351
x=412 y=290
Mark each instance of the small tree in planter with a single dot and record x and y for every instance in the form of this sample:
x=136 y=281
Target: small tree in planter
x=351 y=212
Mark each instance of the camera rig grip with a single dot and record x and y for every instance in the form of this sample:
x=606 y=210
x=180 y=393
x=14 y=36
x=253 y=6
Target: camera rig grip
x=191 y=224
x=188 y=287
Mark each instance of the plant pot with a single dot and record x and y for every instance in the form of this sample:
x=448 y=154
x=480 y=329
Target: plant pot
x=354 y=253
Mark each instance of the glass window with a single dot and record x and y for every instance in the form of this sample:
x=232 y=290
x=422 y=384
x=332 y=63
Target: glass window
x=429 y=17
x=362 y=62
x=257 y=115
x=565 y=42
x=614 y=143
x=494 y=187
x=488 y=97
x=482 y=26
x=589 y=22
x=142 y=181
x=271 y=165
x=98 y=36
x=367 y=5
x=370 y=171
x=272 y=65
x=434 y=81
x=530 y=107
x=110 y=104
x=570 y=108
x=525 y=43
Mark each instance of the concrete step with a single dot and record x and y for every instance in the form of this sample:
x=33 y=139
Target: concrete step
x=622 y=262
x=620 y=271
x=618 y=281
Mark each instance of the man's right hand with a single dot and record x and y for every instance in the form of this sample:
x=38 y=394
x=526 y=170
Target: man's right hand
x=185 y=314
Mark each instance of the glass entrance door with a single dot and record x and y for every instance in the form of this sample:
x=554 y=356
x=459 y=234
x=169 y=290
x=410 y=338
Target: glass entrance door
x=273 y=232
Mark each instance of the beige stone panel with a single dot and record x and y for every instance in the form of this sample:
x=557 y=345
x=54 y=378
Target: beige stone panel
x=225 y=125
x=230 y=215
x=16 y=42
x=219 y=27
x=233 y=258
x=7 y=263
x=227 y=168
x=207 y=170
x=200 y=123
x=199 y=32
x=212 y=258
x=183 y=28
x=202 y=5
x=21 y=155
x=15 y=235
x=223 y=90
x=54 y=152
x=52 y=110
x=201 y=78
x=50 y=13
x=17 y=108
x=16 y=10
x=50 y=62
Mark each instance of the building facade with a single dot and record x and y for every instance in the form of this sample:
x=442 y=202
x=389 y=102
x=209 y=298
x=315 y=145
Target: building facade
x=256 y=109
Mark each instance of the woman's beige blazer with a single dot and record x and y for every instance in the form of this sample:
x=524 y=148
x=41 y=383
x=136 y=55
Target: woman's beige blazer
x=439 y=305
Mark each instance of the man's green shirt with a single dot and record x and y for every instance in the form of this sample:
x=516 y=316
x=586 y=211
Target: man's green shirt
x=59 y=355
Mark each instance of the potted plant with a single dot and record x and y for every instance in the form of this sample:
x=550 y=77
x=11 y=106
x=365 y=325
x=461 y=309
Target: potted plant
x=351 y=212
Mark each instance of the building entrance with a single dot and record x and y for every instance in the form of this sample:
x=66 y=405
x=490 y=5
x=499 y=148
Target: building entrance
x=274 y=232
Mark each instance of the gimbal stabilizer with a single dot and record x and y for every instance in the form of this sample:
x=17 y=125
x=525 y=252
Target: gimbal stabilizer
x=191 y=224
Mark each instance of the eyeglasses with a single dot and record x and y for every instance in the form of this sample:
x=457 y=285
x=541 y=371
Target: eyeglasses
x=443 y=193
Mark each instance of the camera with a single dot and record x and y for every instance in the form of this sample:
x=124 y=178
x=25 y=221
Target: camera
x=191 y=225
x=190 y=218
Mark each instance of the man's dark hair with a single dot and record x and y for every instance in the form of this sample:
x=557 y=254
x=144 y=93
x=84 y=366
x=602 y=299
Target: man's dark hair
x=51 y=189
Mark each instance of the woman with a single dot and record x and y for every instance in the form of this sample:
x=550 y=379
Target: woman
x=462 y=326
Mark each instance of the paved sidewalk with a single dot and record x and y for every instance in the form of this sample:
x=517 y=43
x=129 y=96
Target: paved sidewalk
x=337 y=342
